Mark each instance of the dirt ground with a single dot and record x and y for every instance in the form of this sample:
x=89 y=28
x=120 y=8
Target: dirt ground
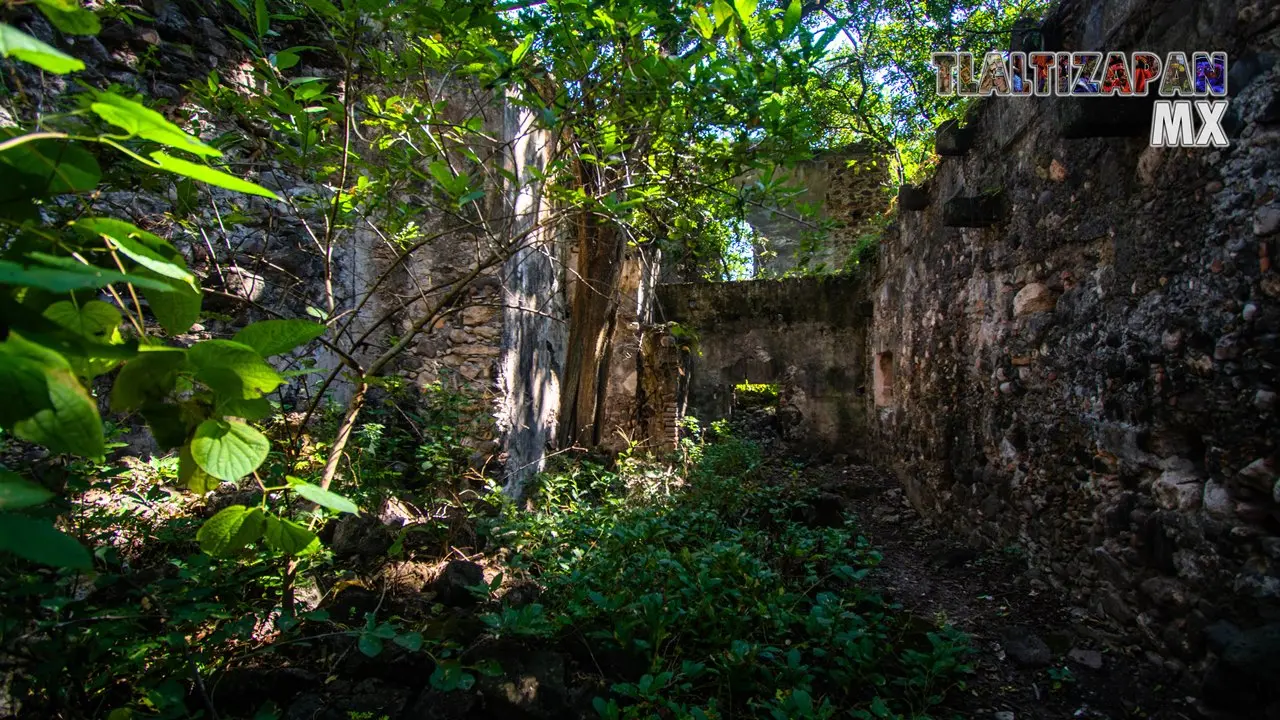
x=1036 y=657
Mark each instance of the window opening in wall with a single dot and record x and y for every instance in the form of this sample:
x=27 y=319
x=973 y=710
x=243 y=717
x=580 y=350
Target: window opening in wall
x=755 y=397
x=883 y=372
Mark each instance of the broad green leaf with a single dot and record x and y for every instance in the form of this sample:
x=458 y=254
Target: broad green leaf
x=72 y=425
x=138 y=119
x=176 y=306
x=67 y=275
x=37 y=168
x=25 y=382
x=206 y=174
x=289 y=537
x=522 y=49
x=232 y=369
x=191 y=476
x=791 y=20
x=230 y=530
x=228 y=450
x=322 y=497
x=17 y=492
x=70 y=17
x=245 y=409
x=17 y=44
x=149 y=377
x=66 y=418
x=146 y=249
x=40 y=542
x=409 y=641
x=98 y=323
x=370 y=644
x=167 y=425
x=95 y=320
x=273 y=337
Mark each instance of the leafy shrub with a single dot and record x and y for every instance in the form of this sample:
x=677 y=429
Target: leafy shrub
x=715 y=600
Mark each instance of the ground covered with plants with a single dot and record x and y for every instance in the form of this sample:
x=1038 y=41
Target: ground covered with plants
x=705 y=585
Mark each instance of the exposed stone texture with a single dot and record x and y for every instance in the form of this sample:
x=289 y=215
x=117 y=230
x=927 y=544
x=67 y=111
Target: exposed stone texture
x=952 y=140
x=975 y=211
x=850 y=187
x=913 y=197
x=805 y=334
x=1093 y=377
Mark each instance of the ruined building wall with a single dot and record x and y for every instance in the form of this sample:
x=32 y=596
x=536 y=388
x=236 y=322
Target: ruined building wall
x=504 y=336
x=1076 y=338
x=805 y=334
x=846 y=186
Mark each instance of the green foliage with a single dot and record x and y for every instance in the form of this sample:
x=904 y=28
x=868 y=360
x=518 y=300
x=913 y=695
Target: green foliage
x=748 y=394
x=58 y=337
x=716 y=600
x=879 y=84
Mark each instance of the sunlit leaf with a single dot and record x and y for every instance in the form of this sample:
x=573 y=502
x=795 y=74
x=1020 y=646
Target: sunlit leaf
x=273 y=337
x=323 y=498
x=70 y=16
x=232 y=369
x=289 y=537
x=17 y=44
x=138 y=119
x=228 y=450
x=230 y=530
x=206 y=174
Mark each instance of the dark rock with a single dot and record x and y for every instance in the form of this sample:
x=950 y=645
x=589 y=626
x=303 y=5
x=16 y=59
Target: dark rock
x=452 y=585
x=532 y=683
x=1024 y=647
x=913 y=197
x=370 y=697
x=1244 y=677
x=951 y=140
x=1245 y=69
x=1083 y=117
x=351 y=604
x=1091 y=659
x=361 y=535
x=976 y=211
x=1220 y=635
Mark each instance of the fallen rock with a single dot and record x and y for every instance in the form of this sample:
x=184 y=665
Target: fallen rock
x=361 y=535
x=532 y=684
x=1024 y=647
x=1033 y=298
x=1091 y=659
x=1243 y=678
x=452 y=585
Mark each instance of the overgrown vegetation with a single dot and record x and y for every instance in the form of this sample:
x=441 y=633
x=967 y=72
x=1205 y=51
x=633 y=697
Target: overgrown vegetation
x=145 y=583
x=718 y=599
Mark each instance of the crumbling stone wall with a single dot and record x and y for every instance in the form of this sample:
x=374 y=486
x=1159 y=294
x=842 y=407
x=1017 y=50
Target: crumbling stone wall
x=503 y=337
x=847 y=186
x=1078 y=338
x=806 y=334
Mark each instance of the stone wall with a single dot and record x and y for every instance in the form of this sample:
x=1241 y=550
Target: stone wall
x=805 y=334
x=847 y=187
x=1076 y=338
x=502 y=337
